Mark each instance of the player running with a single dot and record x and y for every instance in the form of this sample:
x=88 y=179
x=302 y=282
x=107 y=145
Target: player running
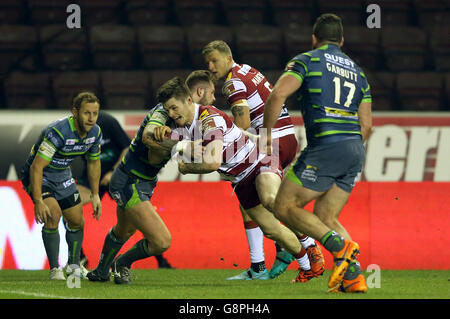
x=246 y=90
x=335 y=101
x=228 y=151
x=47 y=178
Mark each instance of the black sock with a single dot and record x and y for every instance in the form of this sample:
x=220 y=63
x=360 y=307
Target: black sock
x=332 y=241
x=278 y=247
x=74 y=238
x=50 y=236
x=111 y=247
x=159 y=258
x=137 y=252
x=258 y=267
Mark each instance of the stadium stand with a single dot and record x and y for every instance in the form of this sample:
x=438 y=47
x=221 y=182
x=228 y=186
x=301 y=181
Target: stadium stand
x=292 y=12
x=44 y=12
x=161 y=46
x=259 y=45
x=191 y=12
x=363 y=45
x=197 y=36
x=382 y=88
x=62 y=48
x=394 y=12
x=28 y=90
x=145 y=12
x=12 y=12
x=239 y=12
x=124 y=90
x=439 y=38
x=99 y=11
x=404 y=48
x=349 y=11
x=432 y=12
x=112 y=46
x=164 y=36
x=297 y=38
x=67 y=84
x=18 y=45
x=420 y=91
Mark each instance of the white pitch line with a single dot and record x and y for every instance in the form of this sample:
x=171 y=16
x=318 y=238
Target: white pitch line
x=34 y=294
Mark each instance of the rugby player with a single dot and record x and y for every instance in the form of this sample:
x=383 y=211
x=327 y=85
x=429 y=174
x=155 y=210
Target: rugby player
x=115 y=143
x=335 y=100
x=131 y=186
x=246 y=90
x=228 y=151
x=47 y=178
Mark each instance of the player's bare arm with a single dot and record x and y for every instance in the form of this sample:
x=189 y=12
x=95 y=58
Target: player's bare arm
x=241 y=114
x=41 y=210
x=155 y=136
x=211 y=160
x=94 y=172
x=365 y=119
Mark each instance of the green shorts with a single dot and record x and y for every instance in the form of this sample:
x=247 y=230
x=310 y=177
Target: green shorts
x=128 y=190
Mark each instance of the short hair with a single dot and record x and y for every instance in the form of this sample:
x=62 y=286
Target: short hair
x=87 y=97
x=197 y=77
x=328 y=27
x=218 y=45
x=174 y=88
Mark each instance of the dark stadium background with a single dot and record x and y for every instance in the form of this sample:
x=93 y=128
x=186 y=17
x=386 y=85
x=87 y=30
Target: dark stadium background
x=125 y=49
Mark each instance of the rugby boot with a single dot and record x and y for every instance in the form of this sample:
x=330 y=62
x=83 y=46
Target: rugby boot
x=357 y=285
x=121 y=273
x=250 y=274
x=316 y=259
x=282 y=261
x=304 y=276
x=95 y=276
x=57 y=274
x=342 y=259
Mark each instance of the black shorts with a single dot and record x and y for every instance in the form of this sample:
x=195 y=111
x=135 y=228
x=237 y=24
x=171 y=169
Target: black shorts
x=65 y=193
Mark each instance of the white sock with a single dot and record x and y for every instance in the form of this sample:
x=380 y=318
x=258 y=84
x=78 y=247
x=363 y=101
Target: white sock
x=306 y=242
x=255 y=239
x=303 y=262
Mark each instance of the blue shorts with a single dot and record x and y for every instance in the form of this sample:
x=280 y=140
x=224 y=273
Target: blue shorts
x=65 y=193
x=128 y=190
x=320 y=167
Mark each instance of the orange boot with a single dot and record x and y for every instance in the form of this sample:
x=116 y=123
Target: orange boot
x=342 y=259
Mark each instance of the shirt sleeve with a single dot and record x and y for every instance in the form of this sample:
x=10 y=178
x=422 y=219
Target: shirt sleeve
x=298 y=66
x=51 y=142
x=159 y=117
x=234 y=91
x=367 y=96
x=94 y=151
x=211 y=129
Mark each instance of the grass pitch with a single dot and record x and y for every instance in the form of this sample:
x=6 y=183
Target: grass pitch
x=211 y=284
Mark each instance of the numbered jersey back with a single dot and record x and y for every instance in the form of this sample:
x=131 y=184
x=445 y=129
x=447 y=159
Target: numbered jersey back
x=332 y=89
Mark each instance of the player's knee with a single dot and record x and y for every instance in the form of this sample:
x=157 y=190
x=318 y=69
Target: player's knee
x=281 y=210
x=160 y=244
x=268 y=201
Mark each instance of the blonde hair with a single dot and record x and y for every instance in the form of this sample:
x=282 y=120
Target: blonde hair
x=218 y=45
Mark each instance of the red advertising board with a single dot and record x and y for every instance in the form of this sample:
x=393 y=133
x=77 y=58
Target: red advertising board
x=398 y=226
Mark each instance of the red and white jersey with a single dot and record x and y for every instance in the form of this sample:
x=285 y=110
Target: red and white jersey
x=245 y=83
x=240 y=155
